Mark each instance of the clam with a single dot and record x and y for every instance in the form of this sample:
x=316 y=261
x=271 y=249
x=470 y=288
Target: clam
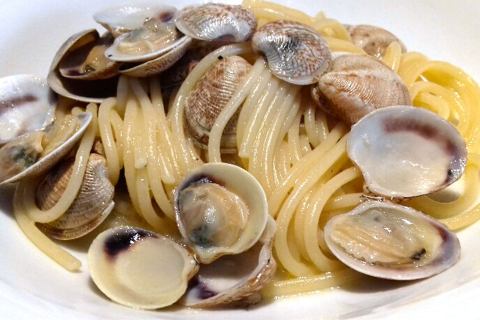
x=74 y=85
x=373 y=40
x=234 y=278
x=121 y=19
x=210 y=97
x=139 y=268
x=91 y=206
x=391 y=241
x=405 y=151
x=26 y=156
x=26 y=105
x=220 y=209
x=85 y=59
x=295 y=53
x=216 y=22
x=357 y=85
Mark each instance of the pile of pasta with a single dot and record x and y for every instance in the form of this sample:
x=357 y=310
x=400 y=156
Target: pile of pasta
x=296 y=151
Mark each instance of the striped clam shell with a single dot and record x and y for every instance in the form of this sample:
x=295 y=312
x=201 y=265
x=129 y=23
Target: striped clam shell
x=91 y=206
x=373 y=40
x=211 y=95
x=356 y=86
x=215 y=21
x=295 y=52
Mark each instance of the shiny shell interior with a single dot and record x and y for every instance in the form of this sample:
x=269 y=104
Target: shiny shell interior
x=391 y=241
x=211 y=95
x=26 y=153
x=294 y=52
x=26 y=105
x=139 y=268
x=357 y=85
x=221 y=209
x=405 y=151
x=215 y=21
x=125 y=18
x=234 y=278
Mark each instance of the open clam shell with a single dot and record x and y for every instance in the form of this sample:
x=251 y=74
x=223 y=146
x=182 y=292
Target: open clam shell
x=91 y=206
x=87 y=91
x=295 y=53
x=220 y=209
x=391 y=241
x=139 y=268
x=159 y=64
x=26 y=105
x=234 y=278
x=404 y=151
x=50 y=159
x=125 y=18
x=216 y=22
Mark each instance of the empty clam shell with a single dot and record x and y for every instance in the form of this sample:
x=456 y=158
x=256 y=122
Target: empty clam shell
x=234 y=278
x=220 y=209
x=18 y=153
x=215 y=21
x=210 y=97
x=87 y=91
x=139 y=268
x=125 y=18
x=373 y=40
x=26 y=105
x=91 y=206
x=159 y=64
x=357 y=85
x=294 y=52
x=391 y=241
x=405 y=151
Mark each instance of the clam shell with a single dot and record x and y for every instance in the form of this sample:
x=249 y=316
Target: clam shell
x=71 y=64
x=91 y=206
x=214 y=22
x=140 y=269
x=125 y=18
x=373 y=40
x=159 y=64
x=202 y=224
x=53 y=157
x=357 y=85
x=405 y=151
x=26 y=105
x=294 y=52
x=86 y=91
x=391 y=241
x=234 y=279
x=211 y=95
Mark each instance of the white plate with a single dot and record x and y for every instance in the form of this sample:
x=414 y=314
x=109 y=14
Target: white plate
x=32 y=286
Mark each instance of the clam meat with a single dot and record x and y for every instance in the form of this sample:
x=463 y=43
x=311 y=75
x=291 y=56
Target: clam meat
x=357 y=85
x=216 y=22
x=220 y=209
x=295 y=53
x=210 y=96
x=404 y=151
x=391 y=241
x=139 y=268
